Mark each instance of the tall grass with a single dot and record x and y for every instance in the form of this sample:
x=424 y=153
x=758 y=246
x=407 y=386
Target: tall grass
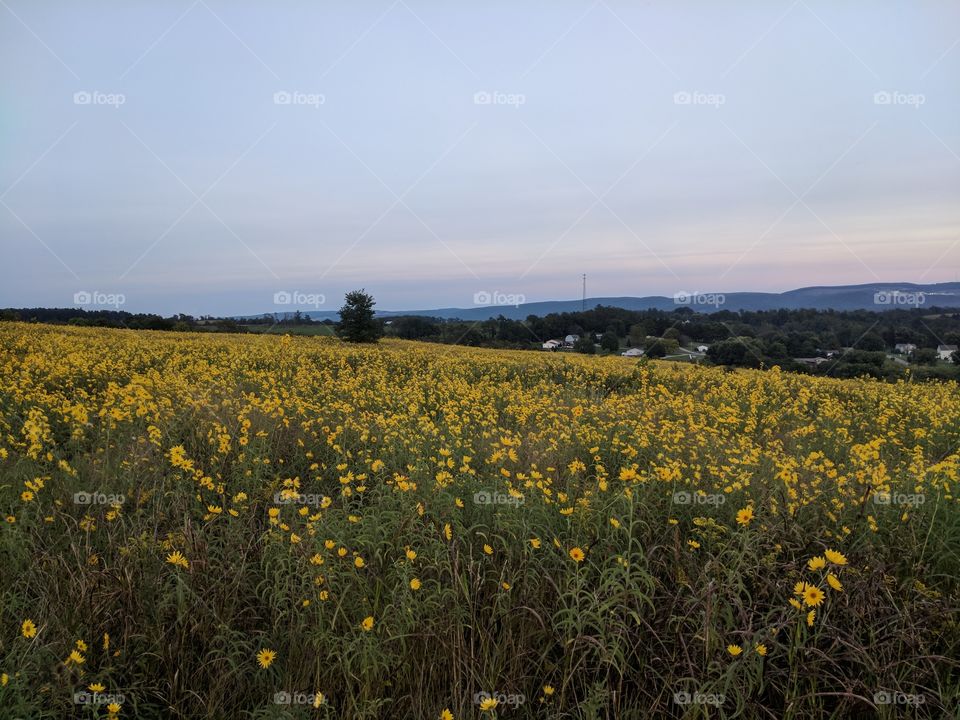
x=642 y=467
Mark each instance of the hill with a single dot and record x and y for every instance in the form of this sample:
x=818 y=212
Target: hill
x=871 y=296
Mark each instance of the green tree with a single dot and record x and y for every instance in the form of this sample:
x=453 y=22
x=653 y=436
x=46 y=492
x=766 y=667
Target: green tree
x=871 y=342
x=656 y=350
x=739 y=351
x=585 y=345
x=924 y=356
x=610 y=341
x=415 y=327
x=638 y=335
x=357 y=321
x=661 y=347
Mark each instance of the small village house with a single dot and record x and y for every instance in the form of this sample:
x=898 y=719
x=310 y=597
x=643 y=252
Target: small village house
x=945 y=352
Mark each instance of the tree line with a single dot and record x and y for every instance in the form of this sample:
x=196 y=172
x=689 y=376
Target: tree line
x=852 y=342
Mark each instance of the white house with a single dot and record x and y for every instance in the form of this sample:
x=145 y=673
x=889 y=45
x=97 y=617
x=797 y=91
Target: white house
x=945 y=352
x=904 y=348
x=571 y=339
x=632 y=352
x=702 y=348
x=552 y=344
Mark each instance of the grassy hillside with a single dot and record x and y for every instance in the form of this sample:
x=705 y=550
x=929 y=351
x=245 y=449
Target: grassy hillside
x=205 y=526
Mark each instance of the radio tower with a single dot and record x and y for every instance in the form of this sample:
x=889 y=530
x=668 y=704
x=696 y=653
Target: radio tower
x=583 y=302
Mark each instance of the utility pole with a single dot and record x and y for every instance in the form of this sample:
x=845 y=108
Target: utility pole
x=583 y=302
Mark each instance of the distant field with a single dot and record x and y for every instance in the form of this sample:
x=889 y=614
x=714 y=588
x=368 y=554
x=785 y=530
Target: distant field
x=317 y=329
x=234 y=526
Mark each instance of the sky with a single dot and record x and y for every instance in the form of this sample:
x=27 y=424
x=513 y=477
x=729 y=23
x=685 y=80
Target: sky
x=212 y=157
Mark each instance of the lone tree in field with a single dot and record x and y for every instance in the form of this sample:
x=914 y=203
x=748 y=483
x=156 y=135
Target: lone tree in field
x=357 y=322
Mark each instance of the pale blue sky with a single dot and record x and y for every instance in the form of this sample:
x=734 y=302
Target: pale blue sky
x=782 y=171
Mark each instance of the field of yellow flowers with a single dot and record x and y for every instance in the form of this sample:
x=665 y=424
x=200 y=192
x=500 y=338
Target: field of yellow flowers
x=200 y=526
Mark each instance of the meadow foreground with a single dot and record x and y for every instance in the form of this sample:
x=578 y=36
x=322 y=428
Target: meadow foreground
x=206 y=526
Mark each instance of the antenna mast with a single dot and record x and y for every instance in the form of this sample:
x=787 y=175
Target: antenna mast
x=583 y=302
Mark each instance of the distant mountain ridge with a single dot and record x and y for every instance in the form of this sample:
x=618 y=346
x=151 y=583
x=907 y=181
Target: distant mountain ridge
x=871 y=296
